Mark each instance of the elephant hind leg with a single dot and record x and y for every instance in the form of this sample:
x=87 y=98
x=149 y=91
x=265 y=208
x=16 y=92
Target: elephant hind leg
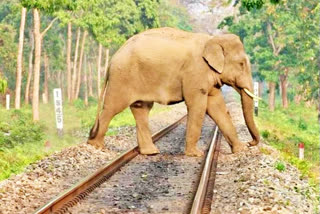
x=140 y=111
x=112 y=106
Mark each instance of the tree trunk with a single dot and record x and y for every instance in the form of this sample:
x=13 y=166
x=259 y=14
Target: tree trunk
x=80 y=64
x=99 y=70
x=297 y=99
x=85 y=80
x=36 y=67
x=106 y=63
x=46 y=77
x=272 y=88
x=27 y=94
x=69 y=43
x=75 y=60
x=90 y=81
x=20 y=59
x=59 y=79
x=284 y=86
x=260 y=89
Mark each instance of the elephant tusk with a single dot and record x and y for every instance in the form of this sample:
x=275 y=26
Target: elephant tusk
x=252 y=95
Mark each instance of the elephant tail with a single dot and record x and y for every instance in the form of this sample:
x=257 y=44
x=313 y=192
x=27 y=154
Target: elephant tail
x=95 y=128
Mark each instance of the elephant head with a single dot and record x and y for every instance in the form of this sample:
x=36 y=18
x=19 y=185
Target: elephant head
x=225 y=55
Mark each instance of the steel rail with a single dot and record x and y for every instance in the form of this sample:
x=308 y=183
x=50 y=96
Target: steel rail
x=72 y=196
x=202 y=200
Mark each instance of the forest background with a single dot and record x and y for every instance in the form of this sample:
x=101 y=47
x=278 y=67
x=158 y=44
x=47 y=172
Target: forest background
x=67 y=44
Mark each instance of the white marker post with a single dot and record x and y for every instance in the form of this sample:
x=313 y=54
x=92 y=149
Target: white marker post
x=57 y=95
x=8 y=101
x=301 y=151
x=256 y=101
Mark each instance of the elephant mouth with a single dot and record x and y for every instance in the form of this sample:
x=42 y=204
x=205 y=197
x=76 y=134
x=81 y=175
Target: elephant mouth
x=251 y=94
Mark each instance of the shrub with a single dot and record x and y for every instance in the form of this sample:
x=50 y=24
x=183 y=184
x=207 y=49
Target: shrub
x=302 y=124
x=79 y=104
x=19 y=129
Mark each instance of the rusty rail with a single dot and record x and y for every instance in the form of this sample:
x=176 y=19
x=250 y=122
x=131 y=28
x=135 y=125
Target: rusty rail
x=203 y=198
x=72 y=196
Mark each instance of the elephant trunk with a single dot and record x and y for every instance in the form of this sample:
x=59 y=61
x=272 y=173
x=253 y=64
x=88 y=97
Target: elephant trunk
x=247 y=108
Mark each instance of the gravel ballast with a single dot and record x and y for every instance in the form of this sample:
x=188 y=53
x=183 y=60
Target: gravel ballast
x=248 y=182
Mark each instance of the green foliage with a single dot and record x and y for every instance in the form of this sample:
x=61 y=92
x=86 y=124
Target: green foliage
x=251 y=4
x=48 y=6
x=79 y=104
x=3 y=85
x=280 y=166
x=7 y=52
x=18 y=128
x=256 y=4
x=293 y=125
x=282 y=37
x=173 y=15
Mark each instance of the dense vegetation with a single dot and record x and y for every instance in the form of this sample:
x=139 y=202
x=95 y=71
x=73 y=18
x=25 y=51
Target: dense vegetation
x=282 y=41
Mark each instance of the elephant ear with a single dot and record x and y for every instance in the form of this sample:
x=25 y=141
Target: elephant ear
x=213 y=55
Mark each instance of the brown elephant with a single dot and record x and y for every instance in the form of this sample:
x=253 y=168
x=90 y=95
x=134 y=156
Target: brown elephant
x=168 y=66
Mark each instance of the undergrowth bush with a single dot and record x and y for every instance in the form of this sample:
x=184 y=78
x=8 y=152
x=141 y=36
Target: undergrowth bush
x=17 y=127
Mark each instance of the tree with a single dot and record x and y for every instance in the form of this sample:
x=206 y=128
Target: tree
x=80 y=64
x=75 y=63
x=20 y=58
x=69 y=44
x=8 y=53
x=30 y=67
x=36 y=6
x=275 y=49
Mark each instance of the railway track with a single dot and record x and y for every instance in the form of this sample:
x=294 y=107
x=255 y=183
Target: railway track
x=199 y=198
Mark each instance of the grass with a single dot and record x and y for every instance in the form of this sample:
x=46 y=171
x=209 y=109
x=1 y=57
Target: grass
x=284 y=129
x=77 y=123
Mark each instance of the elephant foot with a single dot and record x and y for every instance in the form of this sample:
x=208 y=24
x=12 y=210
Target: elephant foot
x=99 y=144
x=253 y=143
x=239 y=148
x=195 y=152
x=149 y=150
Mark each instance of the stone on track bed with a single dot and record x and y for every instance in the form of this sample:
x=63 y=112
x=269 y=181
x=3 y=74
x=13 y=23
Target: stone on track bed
x=164 y=183
x=249 y=183
x=45 y=179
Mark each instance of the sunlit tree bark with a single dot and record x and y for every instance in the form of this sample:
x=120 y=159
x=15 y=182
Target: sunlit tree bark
x=20 y=59
x=30 y=67
x=80 y=64
x=69 y=43
x=75 y=62
x=99 y=70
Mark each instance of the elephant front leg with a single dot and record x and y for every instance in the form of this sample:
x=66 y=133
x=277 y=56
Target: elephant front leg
x=217 y=110
x=196 y=113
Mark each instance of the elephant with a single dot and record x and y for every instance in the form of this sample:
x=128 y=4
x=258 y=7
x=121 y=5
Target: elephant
x=168 y=66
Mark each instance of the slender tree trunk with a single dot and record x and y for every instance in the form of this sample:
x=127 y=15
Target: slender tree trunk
x=75 y=60
x=272 y=88
x=284 y=86
x=27 y=94
x=85 y=80
x=106 y=63
x=20 y=59
x=46 y=77
x=69 y=43
x=99 y=70
x=80 y=64
x=90 y=81
x=59 y=79
x=36 y=67
x=260 y=89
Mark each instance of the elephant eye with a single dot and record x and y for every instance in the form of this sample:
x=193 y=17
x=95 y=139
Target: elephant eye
x=242 y=65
